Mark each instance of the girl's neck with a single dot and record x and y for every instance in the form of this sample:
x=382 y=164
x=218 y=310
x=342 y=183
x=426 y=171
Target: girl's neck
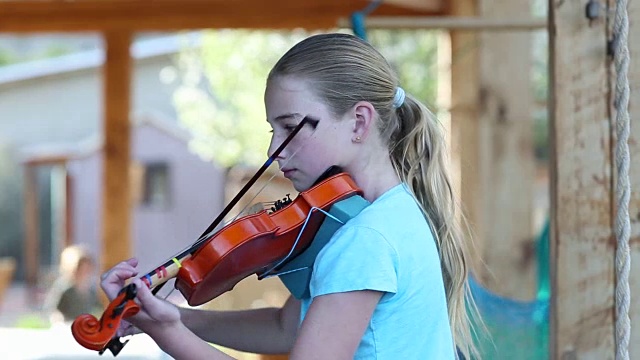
x=375 y=176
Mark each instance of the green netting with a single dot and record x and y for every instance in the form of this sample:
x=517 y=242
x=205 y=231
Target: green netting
x=517 y=329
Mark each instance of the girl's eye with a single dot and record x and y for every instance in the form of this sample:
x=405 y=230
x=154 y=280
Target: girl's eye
x=287 y=128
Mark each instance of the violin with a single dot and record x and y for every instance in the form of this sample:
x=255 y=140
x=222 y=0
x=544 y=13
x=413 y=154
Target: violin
x=252 y=244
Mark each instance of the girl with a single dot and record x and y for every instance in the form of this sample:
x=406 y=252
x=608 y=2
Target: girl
x=391 y=282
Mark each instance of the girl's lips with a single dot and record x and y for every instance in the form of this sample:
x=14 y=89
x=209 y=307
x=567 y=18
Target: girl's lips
x=287 y=172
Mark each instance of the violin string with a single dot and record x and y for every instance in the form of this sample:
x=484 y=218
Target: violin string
x=241 y=211
x=244 y=208
x=263 y=186
x=170 y=292
x=231 y=204
x=253 y=197
x=212 y=232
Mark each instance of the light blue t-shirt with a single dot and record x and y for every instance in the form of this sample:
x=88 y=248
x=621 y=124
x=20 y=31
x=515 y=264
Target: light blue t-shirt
x=389 y=247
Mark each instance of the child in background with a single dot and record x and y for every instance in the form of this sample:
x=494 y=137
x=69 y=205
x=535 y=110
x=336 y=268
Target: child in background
x=74 y=292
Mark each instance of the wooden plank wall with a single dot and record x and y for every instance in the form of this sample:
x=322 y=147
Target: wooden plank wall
x=583 y=193
x=634 y=175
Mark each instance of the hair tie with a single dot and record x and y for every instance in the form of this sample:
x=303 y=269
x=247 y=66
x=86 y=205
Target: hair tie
x=398 y=99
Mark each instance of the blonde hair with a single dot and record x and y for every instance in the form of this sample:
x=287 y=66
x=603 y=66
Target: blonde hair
x=343 y=70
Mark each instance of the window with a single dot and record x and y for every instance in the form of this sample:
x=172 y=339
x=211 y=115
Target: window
x=156 y=192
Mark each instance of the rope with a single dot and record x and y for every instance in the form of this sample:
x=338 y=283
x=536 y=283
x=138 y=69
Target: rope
x=623 y=226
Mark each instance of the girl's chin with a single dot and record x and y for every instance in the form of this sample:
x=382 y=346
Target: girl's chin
x=300 y=185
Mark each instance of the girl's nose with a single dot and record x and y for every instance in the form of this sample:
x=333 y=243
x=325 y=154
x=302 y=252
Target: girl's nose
x=273 y=146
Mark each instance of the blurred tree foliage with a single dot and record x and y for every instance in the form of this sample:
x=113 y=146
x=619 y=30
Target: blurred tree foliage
x=6 y=57
x=540 y=84
x=221 y=94
x=220 y=97
x=413 y=54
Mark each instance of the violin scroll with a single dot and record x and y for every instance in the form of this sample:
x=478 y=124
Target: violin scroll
x=99 y=335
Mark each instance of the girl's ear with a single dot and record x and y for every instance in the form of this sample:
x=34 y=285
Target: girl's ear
x=364 y=115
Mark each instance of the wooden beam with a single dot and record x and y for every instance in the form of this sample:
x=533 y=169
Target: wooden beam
x=116 y=209
x=582 y=239
x=459 y=23
x=47 y=159
x=140 y=15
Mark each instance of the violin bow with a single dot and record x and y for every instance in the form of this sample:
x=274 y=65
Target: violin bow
x=123 y=305
x=193 y=248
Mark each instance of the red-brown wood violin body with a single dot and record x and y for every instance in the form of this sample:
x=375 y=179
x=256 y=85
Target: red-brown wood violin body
x=254 y=243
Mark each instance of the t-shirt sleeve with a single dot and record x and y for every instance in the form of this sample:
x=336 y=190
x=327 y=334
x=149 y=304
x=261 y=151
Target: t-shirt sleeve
x=356 y=258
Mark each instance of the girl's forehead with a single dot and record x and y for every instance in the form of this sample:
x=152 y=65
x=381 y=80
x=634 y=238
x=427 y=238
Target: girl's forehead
x=290 y=96
x=288 y=84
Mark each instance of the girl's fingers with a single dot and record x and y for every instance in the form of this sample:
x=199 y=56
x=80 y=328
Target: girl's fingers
x=159 y=310
x=148 y=301
x=126 y=268
x=114 y=279
x=132 y=261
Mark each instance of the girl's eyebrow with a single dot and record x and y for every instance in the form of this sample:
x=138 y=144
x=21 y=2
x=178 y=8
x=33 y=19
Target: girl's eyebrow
x=287 y=116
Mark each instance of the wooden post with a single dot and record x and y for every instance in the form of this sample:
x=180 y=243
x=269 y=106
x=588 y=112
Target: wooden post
x=505 y=156
x=116 y=219
x=465 y=84
x=582 y=239
x=31 y=225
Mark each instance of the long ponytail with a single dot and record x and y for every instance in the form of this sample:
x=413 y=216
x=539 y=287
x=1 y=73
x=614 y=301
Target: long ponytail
x=419 y=157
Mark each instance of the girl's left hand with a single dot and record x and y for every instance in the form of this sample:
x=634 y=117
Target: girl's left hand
x=154 y=314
